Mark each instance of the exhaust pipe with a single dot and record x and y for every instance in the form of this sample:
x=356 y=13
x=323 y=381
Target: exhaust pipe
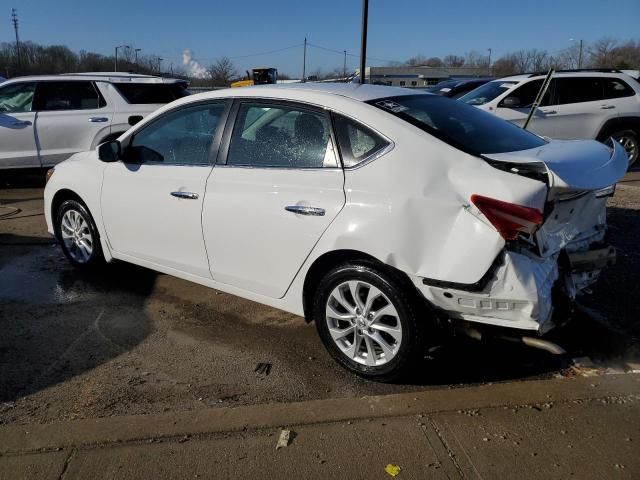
x=532 y=342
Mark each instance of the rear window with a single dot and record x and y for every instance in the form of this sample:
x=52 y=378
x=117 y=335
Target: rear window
x=467 y=128
x=150 y=93
x=486 y=92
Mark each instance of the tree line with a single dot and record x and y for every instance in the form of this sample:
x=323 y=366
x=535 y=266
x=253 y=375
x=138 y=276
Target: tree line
x=607 y=52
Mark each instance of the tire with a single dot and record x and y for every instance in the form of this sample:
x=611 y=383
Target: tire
x=401 y=330
x=630 y=141
x=78 y=236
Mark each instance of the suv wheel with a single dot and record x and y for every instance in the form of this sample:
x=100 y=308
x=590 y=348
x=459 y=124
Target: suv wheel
x=367 y=321
x=78 y=235
x=630 y=141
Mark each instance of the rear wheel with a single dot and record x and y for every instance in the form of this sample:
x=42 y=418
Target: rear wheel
x=78 y=235
x=630 y=141
x=368 y=322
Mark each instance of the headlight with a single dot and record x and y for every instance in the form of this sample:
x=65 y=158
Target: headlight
x=49 y=174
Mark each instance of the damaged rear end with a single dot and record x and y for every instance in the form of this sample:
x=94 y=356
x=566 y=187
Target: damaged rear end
x=554 y=250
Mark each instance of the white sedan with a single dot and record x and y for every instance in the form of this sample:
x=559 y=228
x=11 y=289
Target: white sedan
x=382 y=214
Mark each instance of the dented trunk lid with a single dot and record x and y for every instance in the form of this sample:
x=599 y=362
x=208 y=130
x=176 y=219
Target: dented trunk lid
x=571 y=165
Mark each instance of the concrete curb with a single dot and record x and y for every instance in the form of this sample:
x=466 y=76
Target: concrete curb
x=102 y=431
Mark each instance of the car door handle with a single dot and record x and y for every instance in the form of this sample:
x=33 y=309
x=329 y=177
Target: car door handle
x=187 y=195
x=98 y=119
x=607 y=107
x=549 y=112
x=302 y=210
x=21 y=123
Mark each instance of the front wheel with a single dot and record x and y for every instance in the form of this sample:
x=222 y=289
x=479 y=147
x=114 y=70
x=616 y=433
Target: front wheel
x=367 y=319
x=630 y=141
x=78 y=235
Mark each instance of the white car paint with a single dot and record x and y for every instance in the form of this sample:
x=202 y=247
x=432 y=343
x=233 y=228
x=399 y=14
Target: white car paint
x=565 y=121
x=408 y=207
x=45 y=138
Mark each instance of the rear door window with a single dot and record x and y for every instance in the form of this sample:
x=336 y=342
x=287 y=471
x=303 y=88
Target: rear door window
x=151 y=93
x=527 y=94
x=579 y=90
x=77 y=95
x=273 y=135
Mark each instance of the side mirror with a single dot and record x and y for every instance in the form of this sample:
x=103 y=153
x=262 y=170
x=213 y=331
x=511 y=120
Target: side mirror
x=109 y=151
x=133 y=119
x=511 y=102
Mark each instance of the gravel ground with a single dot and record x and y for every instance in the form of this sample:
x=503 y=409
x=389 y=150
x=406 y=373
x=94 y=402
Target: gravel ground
x=132 y=341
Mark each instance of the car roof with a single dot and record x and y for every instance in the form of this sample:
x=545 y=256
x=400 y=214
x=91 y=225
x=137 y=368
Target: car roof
x=113 y=77
x=354 y=91
x=585 y=73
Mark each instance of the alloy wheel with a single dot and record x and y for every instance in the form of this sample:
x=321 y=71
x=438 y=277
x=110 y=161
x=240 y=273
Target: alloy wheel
x=363 y=323
x=630 y=145
x=76 y=236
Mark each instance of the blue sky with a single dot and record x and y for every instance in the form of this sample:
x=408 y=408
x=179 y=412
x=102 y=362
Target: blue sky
x=397 y=29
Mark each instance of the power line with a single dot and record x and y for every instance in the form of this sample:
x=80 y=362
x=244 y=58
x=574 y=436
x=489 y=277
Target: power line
x=267 y=53
x=342 y=52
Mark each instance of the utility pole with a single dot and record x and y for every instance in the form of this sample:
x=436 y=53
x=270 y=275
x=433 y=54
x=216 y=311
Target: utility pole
x=160 y=64
x=14 y=20
x=136 y=53
x=489 y=67
x=304 y=61
x=115 y=65
x=172 y=69
x=580 y=56
x=344 y=69
x=363 y=43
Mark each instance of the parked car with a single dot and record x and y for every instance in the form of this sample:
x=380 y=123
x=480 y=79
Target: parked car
x=46 y=119
x=380 y=213
x=578 y=104
x=457 y=88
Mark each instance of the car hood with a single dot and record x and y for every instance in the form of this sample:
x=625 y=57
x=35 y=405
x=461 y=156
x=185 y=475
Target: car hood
x=573 y=164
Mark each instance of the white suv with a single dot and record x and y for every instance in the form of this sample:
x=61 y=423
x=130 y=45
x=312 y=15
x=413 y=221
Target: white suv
x=46 y=119
x=578 y=105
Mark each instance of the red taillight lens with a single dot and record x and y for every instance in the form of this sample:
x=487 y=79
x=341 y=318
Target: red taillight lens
x=508 y=218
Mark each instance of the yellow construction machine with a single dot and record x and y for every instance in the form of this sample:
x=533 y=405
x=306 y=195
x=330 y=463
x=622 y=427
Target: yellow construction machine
x=258 y=76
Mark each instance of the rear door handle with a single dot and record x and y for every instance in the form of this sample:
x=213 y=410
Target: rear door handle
x=21 y=123
x=187 y=195
x=607 y=107
x=302 y=210
x=98 y=119
x=549 y=112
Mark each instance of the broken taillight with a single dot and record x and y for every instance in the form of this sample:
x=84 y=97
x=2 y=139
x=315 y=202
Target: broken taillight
x=508 y=218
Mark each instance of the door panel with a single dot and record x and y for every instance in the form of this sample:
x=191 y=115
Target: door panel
x=253 y=242
x=144 y=220
x=152 y=204
x=281 y=158
x=17 y=134
x=70 y=116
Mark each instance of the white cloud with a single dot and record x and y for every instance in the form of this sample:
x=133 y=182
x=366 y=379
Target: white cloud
x=194 y=68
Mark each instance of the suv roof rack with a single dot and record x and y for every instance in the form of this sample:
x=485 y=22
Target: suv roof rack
x=576 y=70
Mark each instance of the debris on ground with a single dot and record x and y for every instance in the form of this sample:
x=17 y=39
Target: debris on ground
x=263 y=369
x=393 y=470
x=283 y=440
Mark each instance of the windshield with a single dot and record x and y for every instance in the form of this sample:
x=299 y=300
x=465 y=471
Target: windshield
x=486 y=92
x=467 y=128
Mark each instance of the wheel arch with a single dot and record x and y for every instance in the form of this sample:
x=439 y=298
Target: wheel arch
x=619 y=123
x=329 y=260
x=61 y=196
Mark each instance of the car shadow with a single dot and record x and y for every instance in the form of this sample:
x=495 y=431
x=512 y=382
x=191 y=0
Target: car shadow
x=58 y=322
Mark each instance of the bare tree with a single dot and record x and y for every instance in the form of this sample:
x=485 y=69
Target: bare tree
x=222 y=72
x=417 y=60
x=601 y=53
x=453 y=61
x=434 y=62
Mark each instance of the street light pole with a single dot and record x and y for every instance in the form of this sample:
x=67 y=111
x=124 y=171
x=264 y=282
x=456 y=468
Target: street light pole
x=136 y=52
x=579 y=51
x=116 y=58
x=304 y=61
x=489 y=67
x=363 y=42
x=344 y=69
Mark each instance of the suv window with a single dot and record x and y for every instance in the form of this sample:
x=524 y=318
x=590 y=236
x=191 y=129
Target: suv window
x=151 y=93
x=461 y=126
x=17 y=97
x=182 y=137
x=579 y=90
x=527 y=93
x=617 y=88
x=357 y=142
x=77 y=95
x=487 y=92
x=269 y=135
